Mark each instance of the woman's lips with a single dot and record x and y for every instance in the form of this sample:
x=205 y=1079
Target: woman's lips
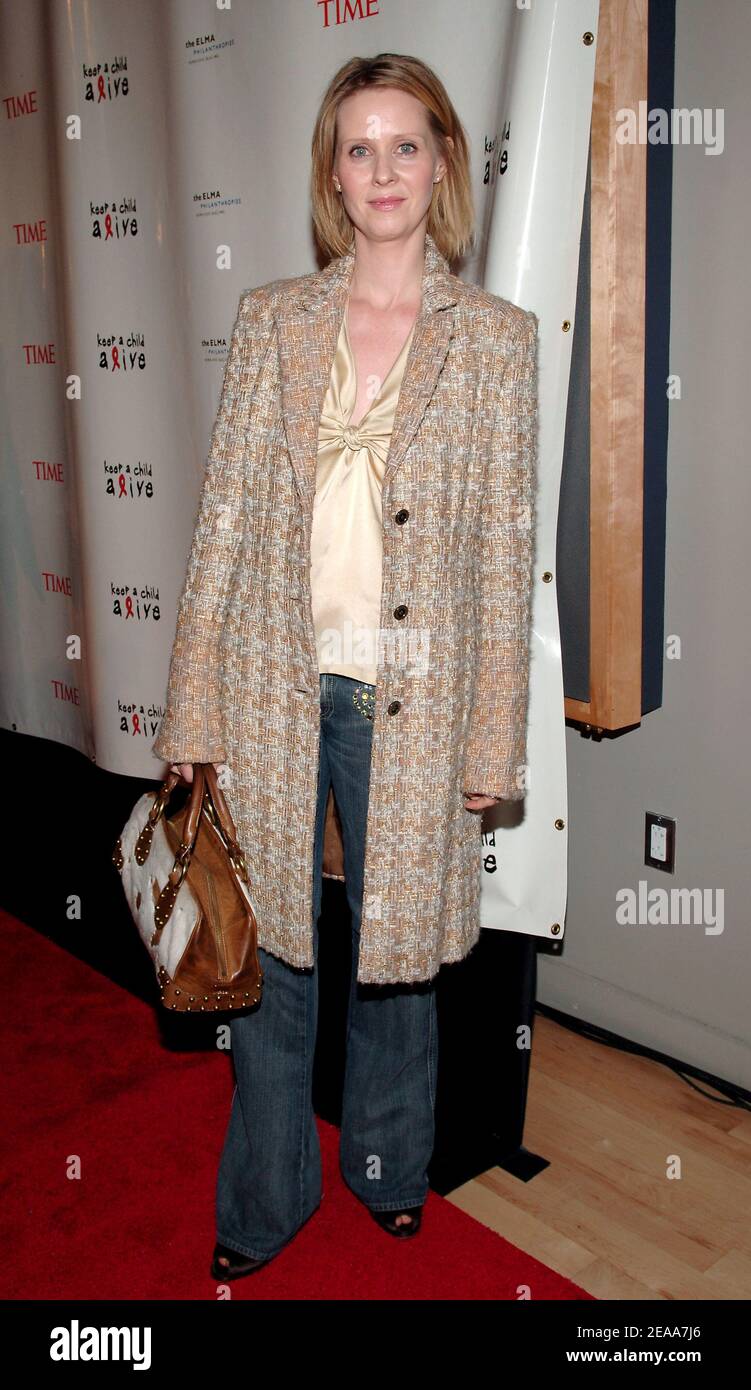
x=386 y=203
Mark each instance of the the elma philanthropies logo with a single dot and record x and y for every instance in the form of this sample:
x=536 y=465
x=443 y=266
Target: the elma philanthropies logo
x=77 y=1343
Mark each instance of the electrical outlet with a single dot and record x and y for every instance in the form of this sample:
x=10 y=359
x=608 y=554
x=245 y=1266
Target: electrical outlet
x=659 y=842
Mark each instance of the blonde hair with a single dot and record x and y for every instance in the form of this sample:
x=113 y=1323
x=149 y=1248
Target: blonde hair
x=451 y=213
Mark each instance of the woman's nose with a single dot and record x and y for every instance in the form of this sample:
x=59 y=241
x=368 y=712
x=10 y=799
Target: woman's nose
x=383 y=171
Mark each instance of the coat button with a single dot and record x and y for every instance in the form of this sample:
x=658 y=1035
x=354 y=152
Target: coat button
x=401 y=516
x=395 y=706
x=401 y=611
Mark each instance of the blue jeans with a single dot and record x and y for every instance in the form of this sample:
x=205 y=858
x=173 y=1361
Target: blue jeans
x=269 y=1179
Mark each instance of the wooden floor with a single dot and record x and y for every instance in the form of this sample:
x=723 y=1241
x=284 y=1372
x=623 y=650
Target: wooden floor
x=605 y=1213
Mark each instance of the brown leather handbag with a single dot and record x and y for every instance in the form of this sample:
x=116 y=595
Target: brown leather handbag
x=187 y=886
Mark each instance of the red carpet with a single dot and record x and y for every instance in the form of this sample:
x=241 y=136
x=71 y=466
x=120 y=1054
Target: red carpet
x=88 y=1080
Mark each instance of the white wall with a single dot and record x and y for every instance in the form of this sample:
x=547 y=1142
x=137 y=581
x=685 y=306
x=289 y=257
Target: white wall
x=674 y=987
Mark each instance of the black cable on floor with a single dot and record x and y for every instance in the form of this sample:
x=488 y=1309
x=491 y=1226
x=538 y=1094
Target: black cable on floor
x=737 y=1097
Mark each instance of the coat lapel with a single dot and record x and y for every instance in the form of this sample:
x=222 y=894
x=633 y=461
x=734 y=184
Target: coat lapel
x=308 y=328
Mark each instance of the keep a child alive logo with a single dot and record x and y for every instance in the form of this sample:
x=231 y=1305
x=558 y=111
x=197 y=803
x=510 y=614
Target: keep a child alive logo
x=134 y=603
x=129 y=482
x=113 y=221
x=120 y=352
x=105 y=81
x=139 y=721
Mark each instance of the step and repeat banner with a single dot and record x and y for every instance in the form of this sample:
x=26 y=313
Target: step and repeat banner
x=155 y=163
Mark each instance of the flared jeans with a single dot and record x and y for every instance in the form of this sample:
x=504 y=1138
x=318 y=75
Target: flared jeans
x=269 y=1179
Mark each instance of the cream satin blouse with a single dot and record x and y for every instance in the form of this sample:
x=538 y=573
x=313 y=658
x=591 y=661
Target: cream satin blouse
x=346 y=535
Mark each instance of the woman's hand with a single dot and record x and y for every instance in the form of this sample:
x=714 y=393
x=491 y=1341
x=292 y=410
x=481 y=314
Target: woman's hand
x=184 y=769
x=473 y=801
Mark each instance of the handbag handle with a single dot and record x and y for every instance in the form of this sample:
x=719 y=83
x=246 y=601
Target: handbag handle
x=161 y=801
x=205 y=796
x=218 y=812
x=166 y=900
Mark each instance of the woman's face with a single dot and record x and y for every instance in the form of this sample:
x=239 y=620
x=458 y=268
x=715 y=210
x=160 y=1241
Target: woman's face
x=386 y=161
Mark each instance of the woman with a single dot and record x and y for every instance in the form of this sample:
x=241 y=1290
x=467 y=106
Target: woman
x=355 y=619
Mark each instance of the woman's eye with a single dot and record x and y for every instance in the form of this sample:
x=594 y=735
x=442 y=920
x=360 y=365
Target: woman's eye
x=405 y=145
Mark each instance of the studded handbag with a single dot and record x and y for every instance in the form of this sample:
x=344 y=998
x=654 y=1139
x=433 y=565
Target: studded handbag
x=186 y=882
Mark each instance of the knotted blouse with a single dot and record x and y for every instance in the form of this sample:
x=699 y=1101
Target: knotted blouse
x=346 y=536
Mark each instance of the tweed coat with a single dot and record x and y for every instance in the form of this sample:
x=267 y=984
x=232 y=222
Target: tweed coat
x=452 y=687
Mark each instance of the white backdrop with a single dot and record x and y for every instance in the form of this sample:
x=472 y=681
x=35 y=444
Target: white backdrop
x=156 y=162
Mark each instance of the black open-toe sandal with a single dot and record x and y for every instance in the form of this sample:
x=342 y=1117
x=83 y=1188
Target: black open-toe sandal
x=387 y=1219
x=237 y=1266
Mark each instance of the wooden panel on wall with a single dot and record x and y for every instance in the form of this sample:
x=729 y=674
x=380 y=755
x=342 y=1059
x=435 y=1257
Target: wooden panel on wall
x=617 y=308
